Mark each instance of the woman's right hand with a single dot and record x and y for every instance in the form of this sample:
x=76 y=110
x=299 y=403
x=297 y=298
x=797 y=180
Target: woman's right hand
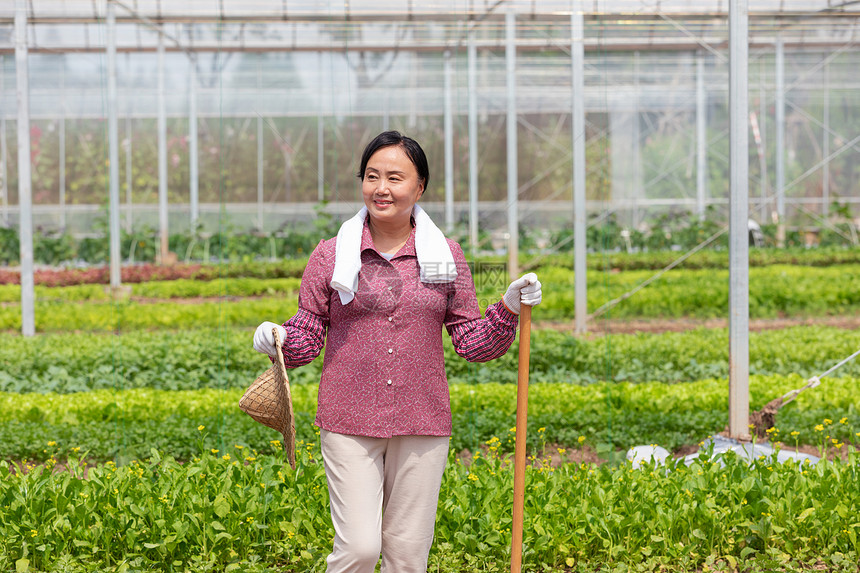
x=264 y=341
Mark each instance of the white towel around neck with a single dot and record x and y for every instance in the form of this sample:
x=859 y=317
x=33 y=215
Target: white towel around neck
x=434 y=255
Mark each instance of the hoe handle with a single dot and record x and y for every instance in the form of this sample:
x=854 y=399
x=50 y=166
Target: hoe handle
x=520 y=445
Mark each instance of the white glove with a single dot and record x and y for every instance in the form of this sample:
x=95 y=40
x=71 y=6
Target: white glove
x=525 y=290
x=264 y=341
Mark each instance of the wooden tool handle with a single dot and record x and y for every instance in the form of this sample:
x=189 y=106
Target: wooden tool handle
x=520 y=446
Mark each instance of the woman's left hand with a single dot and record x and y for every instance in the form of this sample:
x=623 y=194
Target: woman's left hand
x=525 y=290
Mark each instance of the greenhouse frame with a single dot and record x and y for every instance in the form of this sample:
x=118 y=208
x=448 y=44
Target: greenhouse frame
x=537 y=115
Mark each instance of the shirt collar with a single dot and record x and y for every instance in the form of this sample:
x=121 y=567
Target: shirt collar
x=367 y=240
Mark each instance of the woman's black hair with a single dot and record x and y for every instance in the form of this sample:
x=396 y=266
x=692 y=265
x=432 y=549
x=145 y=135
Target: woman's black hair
x=407 y=144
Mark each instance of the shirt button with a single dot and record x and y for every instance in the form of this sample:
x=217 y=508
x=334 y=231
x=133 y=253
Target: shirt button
x=390 y=350
x=389 y=288
x=390 y=318
x=389 y=382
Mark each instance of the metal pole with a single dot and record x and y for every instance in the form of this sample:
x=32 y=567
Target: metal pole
x=825 y=147
x=577 y=51
x=738 y=221
x=413 y=91
x=473 y=141
x=162 y=152
x=513 y=187
x=25 y=189
x=701 y=136
x=193 y=158
x=386 y=113
x=762 y=145
x=449 y=146
x=320 y=157
x=4 y=152
x=780 y=142
x=129 y=176
x=62 y=144
x=320 y=143
x=260 y=173
x=113 y=150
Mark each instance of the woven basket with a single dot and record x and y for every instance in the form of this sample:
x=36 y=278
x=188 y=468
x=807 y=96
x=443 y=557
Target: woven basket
x=269 y=402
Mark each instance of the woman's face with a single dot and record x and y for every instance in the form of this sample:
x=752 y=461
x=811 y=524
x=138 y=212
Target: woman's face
x=391 y=186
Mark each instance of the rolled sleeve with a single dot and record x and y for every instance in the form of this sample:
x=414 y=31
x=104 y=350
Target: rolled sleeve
x=474 y=338
x=487 y=338
x=306 y=330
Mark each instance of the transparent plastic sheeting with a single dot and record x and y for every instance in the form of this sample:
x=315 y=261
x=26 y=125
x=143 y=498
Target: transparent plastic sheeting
x=298 y=9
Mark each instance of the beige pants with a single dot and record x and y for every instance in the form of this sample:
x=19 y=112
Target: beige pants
x=383 y=493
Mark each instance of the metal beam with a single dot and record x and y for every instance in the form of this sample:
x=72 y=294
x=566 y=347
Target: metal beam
x=129 y=174
x=162 y=157
x=193 y=155
x=260 y=173
x=449 y=144
x=578 y=141
x=701 y=136
x=825 y=147
x=4 y=154
x=780 y=140
x=738 y=221
x=320 y=141
x=61 y=134
x=25 y=185
x=473 y=140
x=113 y=151
x=513 y=187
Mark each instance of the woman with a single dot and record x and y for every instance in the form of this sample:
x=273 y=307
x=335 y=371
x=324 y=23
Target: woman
x=377 y=296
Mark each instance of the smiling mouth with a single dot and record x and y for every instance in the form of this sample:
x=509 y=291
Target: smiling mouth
x=379 y=202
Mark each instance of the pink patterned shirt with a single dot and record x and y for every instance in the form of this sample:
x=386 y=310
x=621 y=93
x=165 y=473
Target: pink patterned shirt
x=383 y=373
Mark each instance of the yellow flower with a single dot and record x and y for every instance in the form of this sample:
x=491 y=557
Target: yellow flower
x=214 y=451
x=827 y=421
x=561 y=450
x=843 y=421
x=795 y=433
x=33 y=533
x=819 y=428
x=541 y=429
x=473 y=477
x=238 y=447
x=837 y=445
x=580 y=439
x=201 y=427
x=226 y=457
x=52 y=443
x=250 y=519
x=76 y=450
x=276 y=443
